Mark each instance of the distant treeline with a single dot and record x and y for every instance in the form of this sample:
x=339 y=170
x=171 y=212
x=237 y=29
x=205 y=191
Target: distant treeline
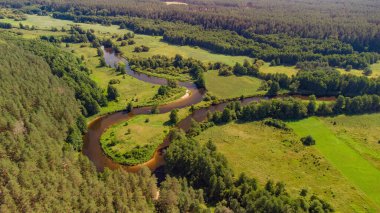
x=281 y=48
x=237 y=34
x=316 y=78
x=356 y=25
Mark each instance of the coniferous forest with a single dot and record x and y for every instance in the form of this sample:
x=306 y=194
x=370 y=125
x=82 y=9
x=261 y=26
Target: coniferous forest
x=189 y=106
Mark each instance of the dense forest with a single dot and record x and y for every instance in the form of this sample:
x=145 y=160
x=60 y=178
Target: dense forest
x=69 y=68
x=300 y=31
x=40 y=169
x=48 y=93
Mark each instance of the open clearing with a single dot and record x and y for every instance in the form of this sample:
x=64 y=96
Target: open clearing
x=135 y=133
x=266 y=153
x=231 y=86
x=359 y=171
x=288 y=70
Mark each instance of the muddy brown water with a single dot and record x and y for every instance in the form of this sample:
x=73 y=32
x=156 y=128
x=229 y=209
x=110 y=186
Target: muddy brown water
x=92 y=148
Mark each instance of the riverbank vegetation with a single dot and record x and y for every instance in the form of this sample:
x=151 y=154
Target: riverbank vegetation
x=134 y=141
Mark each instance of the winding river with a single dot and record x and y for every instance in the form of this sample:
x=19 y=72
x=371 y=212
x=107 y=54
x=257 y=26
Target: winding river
x=96 y=128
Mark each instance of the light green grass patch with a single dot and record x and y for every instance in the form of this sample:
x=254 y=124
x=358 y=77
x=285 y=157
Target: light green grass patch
x=141 y=131
x=375 y=69
x=288 y=70
x=231 y=86
x=136 y=132
x=360 y=132
x=350 y=163
x=159 y=47
x=264 y=153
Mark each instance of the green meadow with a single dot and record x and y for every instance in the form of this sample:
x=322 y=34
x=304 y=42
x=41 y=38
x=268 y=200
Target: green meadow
x=351 y=164
x=134 y=141
x=267 y=153
x=137 y=137
x=231 y=86
x=288 y=70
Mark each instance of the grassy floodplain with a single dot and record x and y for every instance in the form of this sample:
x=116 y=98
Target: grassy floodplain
x=266 y=153
x=130 y=88
x=134 y=141
x=341 y=152
x=231 y=86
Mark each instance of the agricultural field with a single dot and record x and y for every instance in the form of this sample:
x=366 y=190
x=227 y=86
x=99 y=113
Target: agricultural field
x=267 y=153
x=231 y=86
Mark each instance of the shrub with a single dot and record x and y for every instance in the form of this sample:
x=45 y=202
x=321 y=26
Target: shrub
x=308 y=141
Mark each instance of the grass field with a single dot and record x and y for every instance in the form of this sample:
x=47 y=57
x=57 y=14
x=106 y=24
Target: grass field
x=159 y=47
x=135 y=133
x=375 y=69
x=288 y=70
x=266 y=153
x=360 y=132
x=231 y=86
x=353 y=166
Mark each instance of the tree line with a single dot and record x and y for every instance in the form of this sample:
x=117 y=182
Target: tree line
x=281 y=48
x=356 y=25
x=317 y=78
x=291 y=108
x=205 y=168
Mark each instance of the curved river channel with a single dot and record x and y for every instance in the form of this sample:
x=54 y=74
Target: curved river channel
x=96 y=128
